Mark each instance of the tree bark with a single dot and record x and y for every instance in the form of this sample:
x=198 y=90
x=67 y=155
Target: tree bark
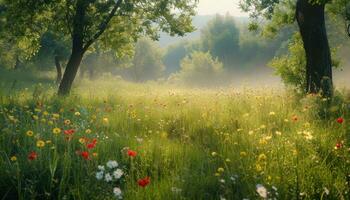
x=311 y=21
x=58 y=69
x=77 y=49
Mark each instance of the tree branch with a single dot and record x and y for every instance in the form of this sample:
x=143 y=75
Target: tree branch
x=103 y=25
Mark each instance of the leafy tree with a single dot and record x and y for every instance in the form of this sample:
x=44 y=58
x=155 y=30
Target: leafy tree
x=310 y=17
x=114 y=23
x=200 y=69
x=147 y=61
x=221 y=38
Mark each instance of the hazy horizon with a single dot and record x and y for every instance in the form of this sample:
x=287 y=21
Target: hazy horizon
x=210 y=7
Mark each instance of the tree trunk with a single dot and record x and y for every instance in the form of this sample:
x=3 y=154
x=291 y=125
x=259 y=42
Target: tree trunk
x=311 y=21
x=77 y=48
x=58 y=69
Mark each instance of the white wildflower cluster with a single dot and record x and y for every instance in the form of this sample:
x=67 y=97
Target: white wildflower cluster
x=111 y=174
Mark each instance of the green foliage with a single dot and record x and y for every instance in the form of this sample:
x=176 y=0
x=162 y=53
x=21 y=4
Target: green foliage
x=147 y=62
x=221 y=38
x=291 y=66
x=200 y=69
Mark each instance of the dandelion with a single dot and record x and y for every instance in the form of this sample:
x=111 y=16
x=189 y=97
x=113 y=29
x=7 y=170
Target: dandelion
x=105 y=121
x=108 y=178
x=29 y=133
x=56 y=130
x=132 y=153
x=40 y=143
x=117 y=192
x=261 y=190
x=13 y=158
x=99 y=175
x=118 y=173
x=112 y=164
x=340 y=120
x=32 y=155
x=272 y=113
x=278 y=133
x=144 y=182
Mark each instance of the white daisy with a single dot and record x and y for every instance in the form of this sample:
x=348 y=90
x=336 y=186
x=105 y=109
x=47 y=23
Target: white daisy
x=118 y=173
x=99 y=175
x=112 y=164
x=108 y=177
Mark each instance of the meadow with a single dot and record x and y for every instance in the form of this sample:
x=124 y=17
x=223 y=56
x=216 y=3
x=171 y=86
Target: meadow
x=116 y=140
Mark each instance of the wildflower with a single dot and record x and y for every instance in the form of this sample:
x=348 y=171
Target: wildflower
x=117 y=192
x=101 y=168
x=112 y=164
x=40 y=143
x=94 y=154
x=35 y=117
x=56 y=116
x=261 y=190
x=144 y=182
x=340 y=120
x=258 y=168
x=262 y=157
x=295 y=118
x=88 y=131
x=227 y=160
x=243 y=153
x=132 y=153
x=67 y=122
x=221 y=170
x=339 y=145
x=214 y=154
x=30 y=133
x=85 y=155
x=48 y=142
x=32 y=155
x=13 y=158
x=99 y=175
x=216 y=174
x=222 y=180
x=105 y=121
x=92 y=144
x=69 y=132
x=326 y=190
x=272 y=113
x=56 y=131
x=108 y=177
x=77 y=113
x=278 y=133
x=118 y=173
x=81 y=140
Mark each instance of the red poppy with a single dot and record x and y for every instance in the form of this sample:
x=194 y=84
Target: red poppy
x=339 y=145
x=340 y=120
x=144 y=182
x=132 y=153
x=32 y=155
x=92 y=144
x=85 y=155
x=69 y=132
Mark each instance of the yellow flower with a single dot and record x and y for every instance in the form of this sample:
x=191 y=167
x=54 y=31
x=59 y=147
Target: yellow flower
x=258 y=168
x=220 y=170
x=30 y=133
x=45 y=113
x=94 y=154
x=55 y=115
x=214 y=154
x=243 y=153
x=88 y=131
x=35 y=117
x=13 y=158
x=82 y=140
x=77 y=113
x=105 y=121
x=278 y=133
x=227 y=160
x=262 y=157
x=43 y=120
x=48 y=142
x=40 y=143
x=272 y=113
x=67 y=122
x=56 y=130
x=50 y=122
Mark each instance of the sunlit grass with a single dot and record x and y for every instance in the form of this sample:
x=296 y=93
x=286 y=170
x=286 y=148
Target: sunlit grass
x=192 y=143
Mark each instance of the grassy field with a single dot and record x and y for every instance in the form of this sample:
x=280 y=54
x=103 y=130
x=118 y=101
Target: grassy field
x=172 y=143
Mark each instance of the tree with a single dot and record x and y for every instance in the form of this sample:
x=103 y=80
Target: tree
x=310 y=17
x=221 y=38
x=147 y=62
x=200 y=69
x=113 y=23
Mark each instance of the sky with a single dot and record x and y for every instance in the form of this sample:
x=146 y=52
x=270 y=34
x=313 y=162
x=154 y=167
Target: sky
x=211 y=7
